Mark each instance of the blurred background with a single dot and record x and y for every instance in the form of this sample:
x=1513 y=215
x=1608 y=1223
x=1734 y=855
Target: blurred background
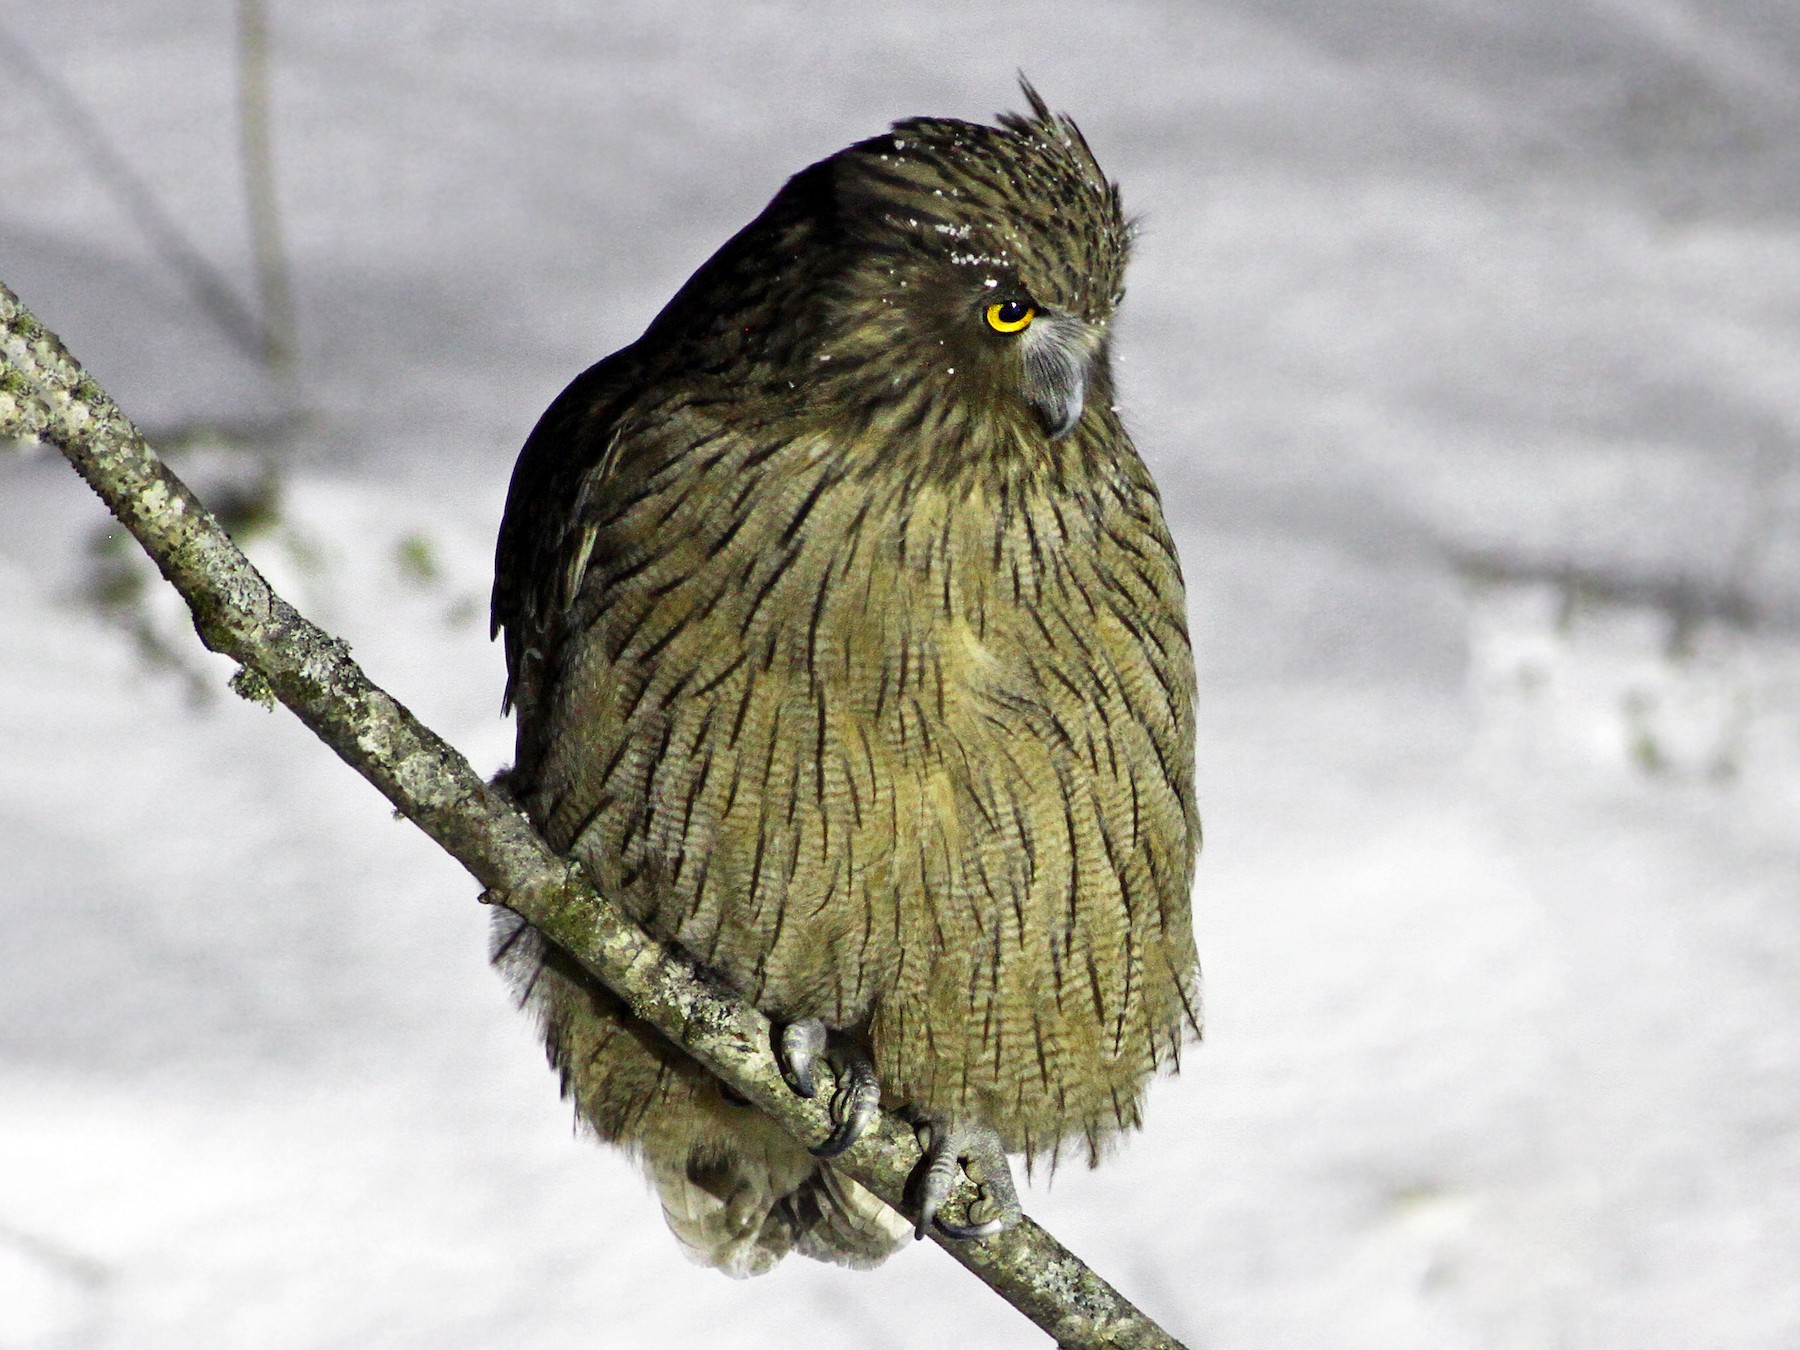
x=1464 y=340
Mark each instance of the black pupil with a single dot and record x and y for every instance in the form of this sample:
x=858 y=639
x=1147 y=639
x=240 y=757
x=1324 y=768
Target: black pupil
x=1011 y=311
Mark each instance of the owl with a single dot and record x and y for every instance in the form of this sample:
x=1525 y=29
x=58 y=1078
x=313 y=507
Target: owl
x=848 y=648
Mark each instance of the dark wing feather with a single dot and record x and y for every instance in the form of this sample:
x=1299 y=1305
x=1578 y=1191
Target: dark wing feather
x=540 y=534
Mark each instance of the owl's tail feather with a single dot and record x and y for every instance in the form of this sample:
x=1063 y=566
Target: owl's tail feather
x=735 y=1227
x=737 y=1191
x=840 y=1220
x=732 y=1217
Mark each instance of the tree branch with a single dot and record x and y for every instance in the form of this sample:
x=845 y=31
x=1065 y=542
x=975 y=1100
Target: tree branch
x=46 y=395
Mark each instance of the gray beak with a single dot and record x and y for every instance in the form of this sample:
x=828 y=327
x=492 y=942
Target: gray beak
x=1058 y=348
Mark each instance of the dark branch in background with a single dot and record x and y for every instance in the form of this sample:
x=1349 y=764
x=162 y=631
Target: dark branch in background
x=45 y=395
x=1687 y=602
x=211 y=290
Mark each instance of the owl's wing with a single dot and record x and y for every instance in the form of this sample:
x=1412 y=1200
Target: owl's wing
x=542 y=545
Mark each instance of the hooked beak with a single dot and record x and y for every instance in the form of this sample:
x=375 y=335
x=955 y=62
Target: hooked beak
x=1058 y=351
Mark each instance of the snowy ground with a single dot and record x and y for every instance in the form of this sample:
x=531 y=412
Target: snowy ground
x=1465 y=342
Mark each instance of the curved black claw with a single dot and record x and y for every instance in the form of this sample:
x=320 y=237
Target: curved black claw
x=802 y=1043
x=978 y=1151
x=858 y=1097
x=856 y=1103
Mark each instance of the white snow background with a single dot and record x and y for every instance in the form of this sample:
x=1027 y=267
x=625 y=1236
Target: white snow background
x=1465 y=342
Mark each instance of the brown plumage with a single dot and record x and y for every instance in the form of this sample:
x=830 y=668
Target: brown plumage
x=848 y=647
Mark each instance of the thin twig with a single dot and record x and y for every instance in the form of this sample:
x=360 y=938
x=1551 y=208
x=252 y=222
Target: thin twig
x=45 y=394
x=261 y=197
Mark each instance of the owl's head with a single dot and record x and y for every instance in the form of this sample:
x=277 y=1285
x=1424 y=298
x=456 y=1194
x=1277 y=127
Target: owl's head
x=942 y=280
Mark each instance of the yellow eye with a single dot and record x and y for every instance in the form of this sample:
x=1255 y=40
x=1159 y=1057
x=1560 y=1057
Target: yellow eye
x=1009 y=316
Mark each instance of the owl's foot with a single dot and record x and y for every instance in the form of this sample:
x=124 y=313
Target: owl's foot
x=858 y=1096
x=948 y=1143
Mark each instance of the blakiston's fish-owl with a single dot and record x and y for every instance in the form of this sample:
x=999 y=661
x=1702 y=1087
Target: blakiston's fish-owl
x=849 y=653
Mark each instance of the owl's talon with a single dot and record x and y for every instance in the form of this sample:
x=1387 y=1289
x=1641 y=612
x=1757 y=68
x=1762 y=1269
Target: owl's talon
x=976 y=1151
x=802 y=1043
x=854 y=1106
x=858 y=1097
x=970 y=1233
